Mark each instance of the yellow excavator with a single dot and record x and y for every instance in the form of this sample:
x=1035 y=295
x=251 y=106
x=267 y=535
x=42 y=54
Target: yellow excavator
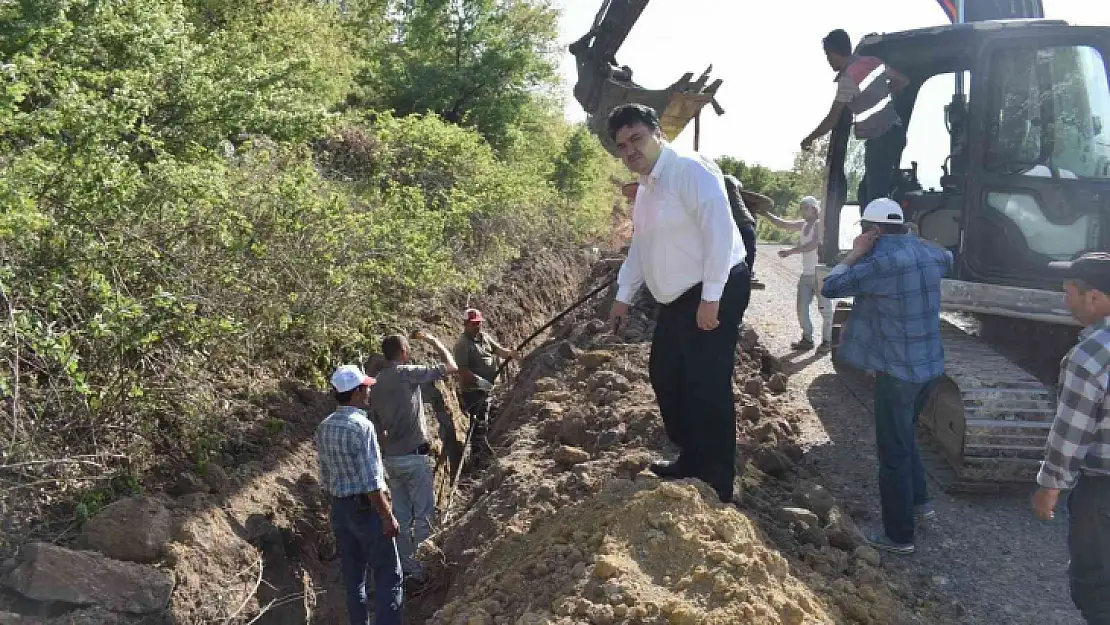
x=1026 y=181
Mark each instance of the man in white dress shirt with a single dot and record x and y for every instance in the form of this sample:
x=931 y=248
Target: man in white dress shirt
x=687 y=249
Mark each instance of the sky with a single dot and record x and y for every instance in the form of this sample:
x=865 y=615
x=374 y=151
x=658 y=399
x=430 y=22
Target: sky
x=777 y=85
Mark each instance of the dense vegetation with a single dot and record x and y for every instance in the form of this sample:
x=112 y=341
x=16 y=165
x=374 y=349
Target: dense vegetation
x=201 y=193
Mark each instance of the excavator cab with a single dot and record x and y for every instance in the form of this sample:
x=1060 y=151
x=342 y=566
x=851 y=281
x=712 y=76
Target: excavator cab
x=1025 y=181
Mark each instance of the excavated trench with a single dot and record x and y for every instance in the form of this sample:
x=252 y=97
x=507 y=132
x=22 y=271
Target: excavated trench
x=561 y=525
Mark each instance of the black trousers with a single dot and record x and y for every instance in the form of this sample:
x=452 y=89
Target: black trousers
x=747 y=233
x=477 y=404
x=691 y=373
x=1089 y=547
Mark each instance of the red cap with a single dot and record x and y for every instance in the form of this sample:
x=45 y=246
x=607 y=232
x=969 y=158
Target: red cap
x=473 y=314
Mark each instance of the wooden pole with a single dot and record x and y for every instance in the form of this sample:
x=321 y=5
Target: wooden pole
x=697 y=132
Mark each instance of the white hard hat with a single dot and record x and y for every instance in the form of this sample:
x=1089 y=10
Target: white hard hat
x=883 y=211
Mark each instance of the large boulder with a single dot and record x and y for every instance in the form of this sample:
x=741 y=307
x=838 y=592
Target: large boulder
x=136 y=529
x=50 y=573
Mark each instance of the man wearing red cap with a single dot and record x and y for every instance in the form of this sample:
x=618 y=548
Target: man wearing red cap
x=365 y=529
x=478 y=356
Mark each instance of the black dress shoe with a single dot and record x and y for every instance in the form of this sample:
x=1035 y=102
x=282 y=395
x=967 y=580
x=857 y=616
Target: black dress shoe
x=672 y=470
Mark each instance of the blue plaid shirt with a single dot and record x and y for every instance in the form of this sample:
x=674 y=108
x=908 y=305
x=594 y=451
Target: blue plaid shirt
x=894 y=327
x=350 y=462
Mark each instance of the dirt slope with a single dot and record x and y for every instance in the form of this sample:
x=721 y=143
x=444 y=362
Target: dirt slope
x=566 y=528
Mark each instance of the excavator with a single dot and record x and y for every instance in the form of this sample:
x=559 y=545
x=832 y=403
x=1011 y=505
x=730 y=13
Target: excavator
x=1026 y=181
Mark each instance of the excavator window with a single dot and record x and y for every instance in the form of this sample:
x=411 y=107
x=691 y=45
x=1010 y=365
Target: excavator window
x=1050 y=110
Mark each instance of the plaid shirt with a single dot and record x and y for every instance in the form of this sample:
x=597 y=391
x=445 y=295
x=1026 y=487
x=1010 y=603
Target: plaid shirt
x=1080 y=436
x=350 y=463
x=895 y=323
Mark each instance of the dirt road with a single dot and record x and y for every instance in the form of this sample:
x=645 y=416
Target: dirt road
x=987 y=553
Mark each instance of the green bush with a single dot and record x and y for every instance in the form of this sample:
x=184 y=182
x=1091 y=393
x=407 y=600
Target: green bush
x=189 y=205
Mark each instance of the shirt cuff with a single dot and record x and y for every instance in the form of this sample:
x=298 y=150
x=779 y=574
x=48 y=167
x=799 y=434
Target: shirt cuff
x=377 y=482
x=711 y=291
x=1049 y=479
x=625 y=294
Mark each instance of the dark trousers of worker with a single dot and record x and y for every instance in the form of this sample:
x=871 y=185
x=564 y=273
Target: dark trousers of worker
x=1089 y=547
x=365 y=553
x=691 y=373
x=881 y=156
x=747 y=233
x=901 y=474
x=477 y=403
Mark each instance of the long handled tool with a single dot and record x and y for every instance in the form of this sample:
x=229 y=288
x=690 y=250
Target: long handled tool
x=474 y=422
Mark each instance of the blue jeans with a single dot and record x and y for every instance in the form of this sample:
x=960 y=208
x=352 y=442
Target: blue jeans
x=901 y=474
x=807 y=290
x=414 y=503
x=365 y=551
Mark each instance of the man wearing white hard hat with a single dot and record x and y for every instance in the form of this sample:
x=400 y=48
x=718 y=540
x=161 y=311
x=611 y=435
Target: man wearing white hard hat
x=894 y=331
x=365 y=529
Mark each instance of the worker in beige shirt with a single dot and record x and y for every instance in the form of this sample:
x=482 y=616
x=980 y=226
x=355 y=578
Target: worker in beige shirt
x=478 y=356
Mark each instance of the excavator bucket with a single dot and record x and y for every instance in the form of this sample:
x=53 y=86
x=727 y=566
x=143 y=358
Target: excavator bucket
x=603 y=85
x=676 y=108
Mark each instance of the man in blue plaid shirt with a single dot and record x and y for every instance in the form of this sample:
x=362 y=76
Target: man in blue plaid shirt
x=361 y=515
x=1077 y=454
x=894 y=331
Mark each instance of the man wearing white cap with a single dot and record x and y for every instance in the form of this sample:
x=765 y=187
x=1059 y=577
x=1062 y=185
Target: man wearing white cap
x=365 y=529
x=894 y=331
x=809 y=229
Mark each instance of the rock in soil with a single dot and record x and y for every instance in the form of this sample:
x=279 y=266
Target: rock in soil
x=135 y=529
x=55 y=574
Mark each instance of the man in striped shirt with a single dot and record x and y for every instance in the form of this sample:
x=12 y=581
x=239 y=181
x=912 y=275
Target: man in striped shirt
x=1077 y=455
x=865 y=85
x=351 y=472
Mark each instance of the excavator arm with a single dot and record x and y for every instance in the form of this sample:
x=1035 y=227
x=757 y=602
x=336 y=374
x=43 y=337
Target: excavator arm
x=603 y=84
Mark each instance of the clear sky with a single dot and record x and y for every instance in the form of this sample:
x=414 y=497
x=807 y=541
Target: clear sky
x=777 y=84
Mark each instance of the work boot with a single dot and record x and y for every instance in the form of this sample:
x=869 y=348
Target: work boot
x=824 y=348
x=668 y=470
x=803 y=345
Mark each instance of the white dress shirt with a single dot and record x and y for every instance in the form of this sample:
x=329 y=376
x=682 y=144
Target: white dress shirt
x=682 y=231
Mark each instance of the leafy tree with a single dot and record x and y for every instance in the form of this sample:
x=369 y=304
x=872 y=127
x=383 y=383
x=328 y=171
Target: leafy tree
x=472 y=62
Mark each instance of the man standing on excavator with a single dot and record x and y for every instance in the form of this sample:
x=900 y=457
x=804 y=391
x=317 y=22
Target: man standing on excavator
x=688 y=250
x=1077 y=455
x=865 y=85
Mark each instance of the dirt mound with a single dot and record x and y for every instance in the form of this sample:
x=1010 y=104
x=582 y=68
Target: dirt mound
x=639 y=552
x=565 y=527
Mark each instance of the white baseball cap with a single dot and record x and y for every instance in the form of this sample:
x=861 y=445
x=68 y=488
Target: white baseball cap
x=350 y=377
x=883 y=211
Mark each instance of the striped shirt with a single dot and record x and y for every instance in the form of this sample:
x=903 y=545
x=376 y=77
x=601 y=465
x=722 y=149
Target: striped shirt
x=1080 y=436
x=350 y=462
x=862 y=85
x=894 y=327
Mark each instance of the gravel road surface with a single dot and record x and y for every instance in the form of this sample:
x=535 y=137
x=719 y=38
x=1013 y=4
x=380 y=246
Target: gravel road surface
x=991 y=559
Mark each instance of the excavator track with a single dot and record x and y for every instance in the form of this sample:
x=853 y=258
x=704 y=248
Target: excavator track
x=986 y=423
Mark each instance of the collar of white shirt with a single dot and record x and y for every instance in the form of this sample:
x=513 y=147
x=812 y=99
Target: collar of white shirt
x=665 y=157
